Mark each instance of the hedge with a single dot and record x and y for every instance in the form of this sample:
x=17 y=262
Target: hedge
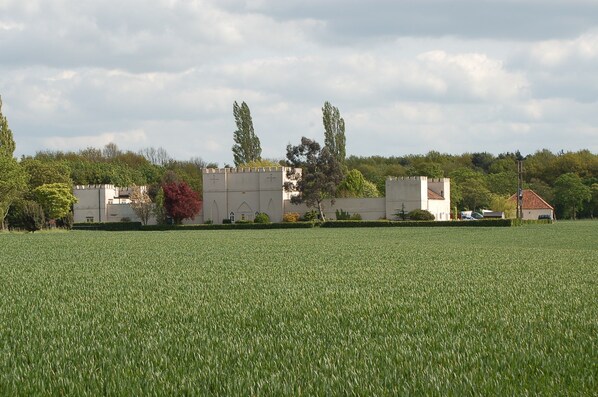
x=231 y=226
x=383 y=223
x=110 y=226
x=517 y=222
x=124 y=226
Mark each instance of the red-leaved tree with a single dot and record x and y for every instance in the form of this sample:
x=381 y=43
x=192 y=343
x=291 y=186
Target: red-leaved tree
x=180 y=201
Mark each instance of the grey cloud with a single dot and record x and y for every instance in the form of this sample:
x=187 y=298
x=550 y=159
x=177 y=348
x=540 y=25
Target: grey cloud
x=348 y=20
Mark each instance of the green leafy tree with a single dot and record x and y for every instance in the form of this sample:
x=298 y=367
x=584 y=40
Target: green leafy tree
x=355 y=185
x=503 y=204
x=334 y=132
x=247 y=145
x=320 y=177
x=475 y=194
x=44 y=172
x=571 y=193
x=13 y=184
x=468 y=188
x=7 y=143
x=55 y=198
x=502 y=183
x=594 y=201
x=429 y=169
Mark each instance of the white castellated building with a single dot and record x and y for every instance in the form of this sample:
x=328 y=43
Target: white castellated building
x=102 y=203
x=240 y=193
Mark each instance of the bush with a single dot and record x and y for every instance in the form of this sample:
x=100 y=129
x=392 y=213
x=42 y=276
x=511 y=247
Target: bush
x=310 y=216
x=66 y=221
x=33 y=216
x=261 y=218
x=355 y=217
x=226 y=221
x=26 y=214
x=290 y=217
x=125 y=219
x=420 y=215
x=342 y=215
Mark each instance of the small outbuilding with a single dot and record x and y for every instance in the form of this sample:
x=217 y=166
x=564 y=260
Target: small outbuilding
x=534 y=206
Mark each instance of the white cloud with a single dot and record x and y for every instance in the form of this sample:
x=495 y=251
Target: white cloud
x=554 y=53
x=125 y=139
x=407 y=76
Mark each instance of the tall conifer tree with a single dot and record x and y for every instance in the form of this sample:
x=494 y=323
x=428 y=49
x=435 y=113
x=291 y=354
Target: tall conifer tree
x=247 y=145
x=7 y=143
x=334 y=132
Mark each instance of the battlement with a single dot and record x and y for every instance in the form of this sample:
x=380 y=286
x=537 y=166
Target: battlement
x=242 y=170
x=93 y=187
x=406 y=178
x=416 y=178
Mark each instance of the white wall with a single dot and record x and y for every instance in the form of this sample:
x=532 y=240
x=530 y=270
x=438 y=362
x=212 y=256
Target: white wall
x=368 y=208
x=410 y=192
x=533 y=214
x=243 y=192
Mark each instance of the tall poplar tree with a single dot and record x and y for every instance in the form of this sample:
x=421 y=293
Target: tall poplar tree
x=7 y=143
x=247 y=145
x=13 y=178
x=334 y=132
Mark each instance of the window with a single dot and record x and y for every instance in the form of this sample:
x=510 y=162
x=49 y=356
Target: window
x=89 y=219
x=242 y=217
x=232 y=217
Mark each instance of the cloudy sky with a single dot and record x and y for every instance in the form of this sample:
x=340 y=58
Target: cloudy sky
x=408 y=76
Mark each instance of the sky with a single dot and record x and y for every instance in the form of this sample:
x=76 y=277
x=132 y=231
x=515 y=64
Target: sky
x=408 y=76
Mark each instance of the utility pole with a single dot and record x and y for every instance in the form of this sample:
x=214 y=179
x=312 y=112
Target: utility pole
x=520 y=189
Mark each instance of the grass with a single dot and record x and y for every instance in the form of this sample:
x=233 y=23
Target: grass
x=434 y=311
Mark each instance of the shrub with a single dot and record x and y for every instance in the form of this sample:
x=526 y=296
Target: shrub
x=32 y=216
x=66 y=221
x=355 y=217
x=125 y=219
x=226 y=221
x=342 y=215
x=290 y=217
x=420 y=215
x=261 y=217
x=310 y=216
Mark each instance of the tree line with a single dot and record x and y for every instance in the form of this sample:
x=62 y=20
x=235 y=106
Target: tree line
x=566 y=180
x=37 y=189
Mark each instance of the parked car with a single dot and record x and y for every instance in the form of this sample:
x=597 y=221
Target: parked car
x=477 y=215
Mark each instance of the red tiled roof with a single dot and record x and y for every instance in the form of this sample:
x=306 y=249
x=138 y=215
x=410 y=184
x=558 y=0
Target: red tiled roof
x=531 y=201
x=432 y=195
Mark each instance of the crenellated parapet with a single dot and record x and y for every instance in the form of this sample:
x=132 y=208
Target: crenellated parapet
x=93 y=187
x=406 y=178
x=242 y=170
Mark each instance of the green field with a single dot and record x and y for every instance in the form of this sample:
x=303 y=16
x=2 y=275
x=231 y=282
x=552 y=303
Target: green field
x=389 y=311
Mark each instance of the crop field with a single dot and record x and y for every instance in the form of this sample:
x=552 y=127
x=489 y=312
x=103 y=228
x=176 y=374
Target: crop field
x=389 y=311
